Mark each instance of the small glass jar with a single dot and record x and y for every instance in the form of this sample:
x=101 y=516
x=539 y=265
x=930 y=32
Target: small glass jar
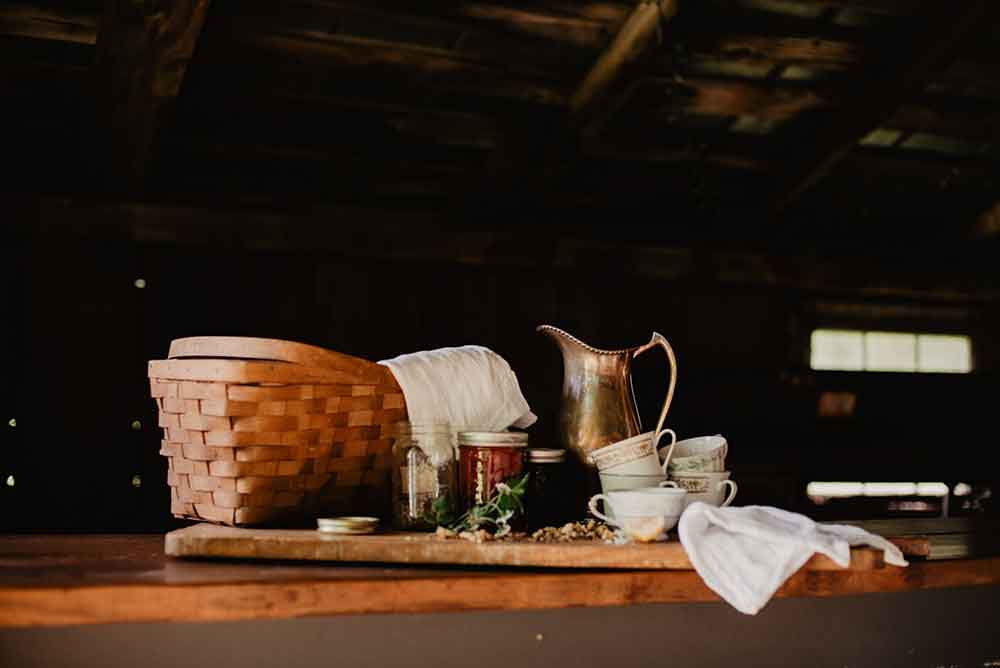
x=423 y=475
x=485 y=459
x=547 y=497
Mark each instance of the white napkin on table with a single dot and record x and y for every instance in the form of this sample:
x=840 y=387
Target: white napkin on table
x=470 y=388
x=745 y=554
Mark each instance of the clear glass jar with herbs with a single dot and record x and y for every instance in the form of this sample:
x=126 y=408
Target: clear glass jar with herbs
x=423 y=475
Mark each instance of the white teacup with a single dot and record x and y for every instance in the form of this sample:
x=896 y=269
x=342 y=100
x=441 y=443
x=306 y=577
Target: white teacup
x=702 y=454
x=645 y=515
x=707 y=487
x=618 y=482
x=636 y=455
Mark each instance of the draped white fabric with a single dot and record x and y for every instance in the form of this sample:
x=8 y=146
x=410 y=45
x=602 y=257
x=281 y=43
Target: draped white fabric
x=745 y=554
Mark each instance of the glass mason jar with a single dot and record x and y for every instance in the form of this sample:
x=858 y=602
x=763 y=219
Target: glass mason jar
x=486 y=459
x=547 y=497
x=423 y=475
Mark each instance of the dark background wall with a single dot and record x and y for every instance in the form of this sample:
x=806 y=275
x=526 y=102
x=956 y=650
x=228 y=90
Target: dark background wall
x=77 y=333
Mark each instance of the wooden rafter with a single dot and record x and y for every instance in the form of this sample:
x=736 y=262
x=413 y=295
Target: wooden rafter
x=45 y=23
x=949 y=118
x=879 y=96
x=639 y=31
x=988 y=224
x=520 y=157
x=143 y=52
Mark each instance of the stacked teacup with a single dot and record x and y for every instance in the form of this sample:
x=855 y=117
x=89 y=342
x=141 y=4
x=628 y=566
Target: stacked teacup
x=698 y=465
x=638 y=499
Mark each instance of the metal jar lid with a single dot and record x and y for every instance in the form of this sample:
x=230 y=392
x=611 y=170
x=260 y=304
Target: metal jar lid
x=347 y=525
x=493 y=439
x=546 y=455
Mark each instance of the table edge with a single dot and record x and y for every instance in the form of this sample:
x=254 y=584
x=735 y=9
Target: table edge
x=212 y=602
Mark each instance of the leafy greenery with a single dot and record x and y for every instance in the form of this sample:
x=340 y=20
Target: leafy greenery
x=441 y=513
x=506 y=502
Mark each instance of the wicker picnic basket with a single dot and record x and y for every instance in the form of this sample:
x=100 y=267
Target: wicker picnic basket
x=266 y=431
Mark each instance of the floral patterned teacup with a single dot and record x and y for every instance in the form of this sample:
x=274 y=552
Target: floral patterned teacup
x=636 y=455
x=709 y=488
x=703 y=454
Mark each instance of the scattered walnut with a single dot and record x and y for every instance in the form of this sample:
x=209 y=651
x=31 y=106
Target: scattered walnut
x=591 y=530
x=586 y=530
x=478 y=536
x=513 y=537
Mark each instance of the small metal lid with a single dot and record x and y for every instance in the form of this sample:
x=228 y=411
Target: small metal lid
x=352 y=525
x=546 y=455
x=497 y=439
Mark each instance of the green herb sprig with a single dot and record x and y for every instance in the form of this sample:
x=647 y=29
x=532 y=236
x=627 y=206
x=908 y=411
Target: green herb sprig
x=506 y=502
x=441 y=513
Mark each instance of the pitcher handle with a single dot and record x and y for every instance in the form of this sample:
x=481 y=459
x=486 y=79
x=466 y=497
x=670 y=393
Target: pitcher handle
x=659 y=340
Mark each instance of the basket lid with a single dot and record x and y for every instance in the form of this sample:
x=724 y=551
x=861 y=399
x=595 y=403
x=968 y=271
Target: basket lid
x=253 y=348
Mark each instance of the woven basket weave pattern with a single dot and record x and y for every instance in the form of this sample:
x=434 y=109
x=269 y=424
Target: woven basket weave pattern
x=254 y=453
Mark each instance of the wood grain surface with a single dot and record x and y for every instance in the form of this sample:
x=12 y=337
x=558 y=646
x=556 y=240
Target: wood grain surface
x=243 y=371
x=69 y=580
x=246 y=347
x=207 y=540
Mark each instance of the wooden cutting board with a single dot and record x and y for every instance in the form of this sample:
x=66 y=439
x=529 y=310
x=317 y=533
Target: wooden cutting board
x=209 y=540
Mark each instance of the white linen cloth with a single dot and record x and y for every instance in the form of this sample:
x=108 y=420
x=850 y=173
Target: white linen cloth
x=470 y=388
x=745 y=554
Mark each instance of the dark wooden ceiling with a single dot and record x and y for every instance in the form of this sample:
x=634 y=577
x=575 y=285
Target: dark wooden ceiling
x=853 y=118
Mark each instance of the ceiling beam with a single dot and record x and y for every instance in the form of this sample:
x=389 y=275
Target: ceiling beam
x=528 y=157
x=948 y=117
x=143 y=52
x=46 y=23
x=988 y=224
x=639 y=31
x=534 y=21
x=878 y=96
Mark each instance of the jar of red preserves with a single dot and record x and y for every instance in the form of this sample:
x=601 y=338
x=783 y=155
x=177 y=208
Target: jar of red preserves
x=485 y=459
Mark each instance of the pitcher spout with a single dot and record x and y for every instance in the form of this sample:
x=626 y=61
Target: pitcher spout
x=568 y=342
x=562 y=338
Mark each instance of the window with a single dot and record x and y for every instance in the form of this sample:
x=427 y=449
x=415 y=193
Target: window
x=856 y=350
x=834 y=490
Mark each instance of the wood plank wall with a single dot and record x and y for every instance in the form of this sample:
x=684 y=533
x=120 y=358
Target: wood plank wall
x=77 y=331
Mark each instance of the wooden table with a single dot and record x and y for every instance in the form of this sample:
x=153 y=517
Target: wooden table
x=93 y=579
x=75 y=600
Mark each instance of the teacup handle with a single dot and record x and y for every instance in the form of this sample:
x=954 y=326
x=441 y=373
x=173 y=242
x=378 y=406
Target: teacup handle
x=669 y=483
x=592 y=507
x=670 y=450
x=659 y=340
x=732 y=491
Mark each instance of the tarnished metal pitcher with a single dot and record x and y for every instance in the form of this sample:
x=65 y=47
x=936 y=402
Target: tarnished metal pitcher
x=598 y=403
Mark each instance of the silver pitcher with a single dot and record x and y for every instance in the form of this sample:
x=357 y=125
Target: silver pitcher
x=598 y=403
